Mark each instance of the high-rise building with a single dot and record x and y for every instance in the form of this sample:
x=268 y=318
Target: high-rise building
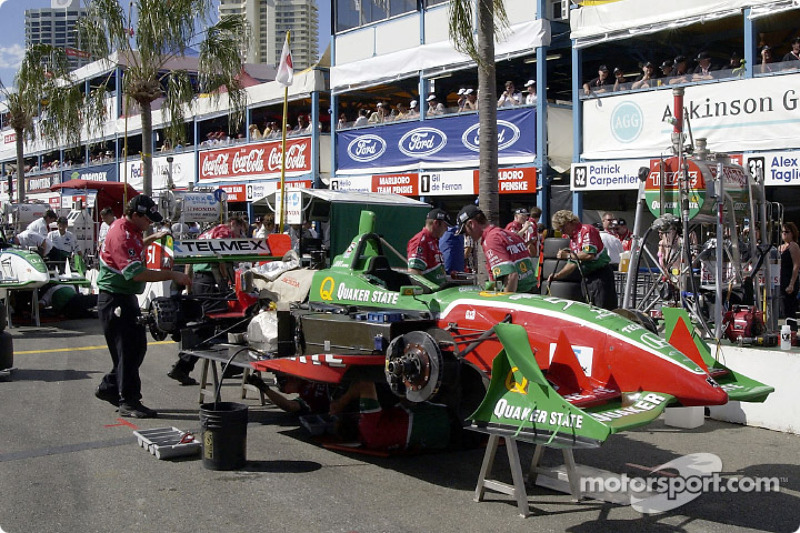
x=56 y=26
x=270 y=20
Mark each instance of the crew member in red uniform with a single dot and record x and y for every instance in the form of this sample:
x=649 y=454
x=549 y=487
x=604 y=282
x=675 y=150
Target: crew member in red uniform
x=123 y=274
x=586 y=251
x=424 y=257
x=507 y=258
x=525 y=226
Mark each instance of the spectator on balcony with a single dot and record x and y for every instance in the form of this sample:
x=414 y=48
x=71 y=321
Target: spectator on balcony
x=379 y=115
x=472 y=100
x=766 y=59
x=666 y=68
x=435 y=107
x=648 y=77
x=413 y=109
x=303 y=126
x=462 y=99
x=704 y=69
x=619 y=80
x=680 y=71
x=255 y=133
x=363 y=118
x=402 y=111
x=600 y=84
x=530 y=92
x=510 y=96
x=342 y=123
x=792 y=59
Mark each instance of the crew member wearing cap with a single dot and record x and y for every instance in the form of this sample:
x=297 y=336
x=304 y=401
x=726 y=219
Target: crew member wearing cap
x=123 y=274
x=587 y=252
x=600 y=84
x=507 y=258
x=530 y=98
x=42 y=225
x=63 y=242
x=624 y=234
x=424 y=257
x=523 y=226
x=704 y=68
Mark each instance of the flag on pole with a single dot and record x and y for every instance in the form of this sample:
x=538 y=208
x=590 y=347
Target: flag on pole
x=285 y=74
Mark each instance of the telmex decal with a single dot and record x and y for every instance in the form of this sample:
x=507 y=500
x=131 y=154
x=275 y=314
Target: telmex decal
x=211 y=248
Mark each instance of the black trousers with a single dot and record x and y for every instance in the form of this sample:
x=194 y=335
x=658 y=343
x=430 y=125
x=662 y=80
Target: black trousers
x=127 y=344
x=602 y=288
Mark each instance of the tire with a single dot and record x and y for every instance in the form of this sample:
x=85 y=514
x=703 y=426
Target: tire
x=552 y=245
x=6 y=350
x=564 y=289
x=550 y=266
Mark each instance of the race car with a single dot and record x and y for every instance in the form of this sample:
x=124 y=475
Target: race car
x=562 y=372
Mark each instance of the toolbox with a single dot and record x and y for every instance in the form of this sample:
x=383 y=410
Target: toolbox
x=167 y=442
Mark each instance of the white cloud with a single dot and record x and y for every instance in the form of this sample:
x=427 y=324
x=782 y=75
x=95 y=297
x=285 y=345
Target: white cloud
x=11 y=56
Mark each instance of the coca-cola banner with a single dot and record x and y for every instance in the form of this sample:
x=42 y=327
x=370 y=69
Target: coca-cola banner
x=451 y=142
x=256 y=160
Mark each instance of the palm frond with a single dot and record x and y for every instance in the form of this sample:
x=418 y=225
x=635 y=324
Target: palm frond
x=461 y=25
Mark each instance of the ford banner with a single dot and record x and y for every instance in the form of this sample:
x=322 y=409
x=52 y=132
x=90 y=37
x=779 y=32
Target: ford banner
x=452 y=141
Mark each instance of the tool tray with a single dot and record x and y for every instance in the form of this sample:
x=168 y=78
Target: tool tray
x=166 y=442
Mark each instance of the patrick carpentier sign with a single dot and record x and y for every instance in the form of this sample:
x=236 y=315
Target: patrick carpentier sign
x=615 y=175
x=734 y=115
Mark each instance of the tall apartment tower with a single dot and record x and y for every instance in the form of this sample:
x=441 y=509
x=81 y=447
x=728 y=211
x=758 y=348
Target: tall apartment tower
x=56 y=26
x=270 y=20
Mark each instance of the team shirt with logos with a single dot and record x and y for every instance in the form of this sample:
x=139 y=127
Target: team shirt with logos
x=122 y=259
x=424 y=255
x=531 y=235
x=587 y=239
x=66 y=242
x=506 y=253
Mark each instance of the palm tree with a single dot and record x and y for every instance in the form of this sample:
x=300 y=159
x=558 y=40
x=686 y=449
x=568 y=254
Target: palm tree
x=491 y=20
x=164 y=31
x=42 y=88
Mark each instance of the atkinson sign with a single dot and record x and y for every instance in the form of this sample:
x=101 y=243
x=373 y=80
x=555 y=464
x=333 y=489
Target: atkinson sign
x=256 y=160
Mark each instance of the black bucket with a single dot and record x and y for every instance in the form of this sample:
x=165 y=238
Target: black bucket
x=223 y=427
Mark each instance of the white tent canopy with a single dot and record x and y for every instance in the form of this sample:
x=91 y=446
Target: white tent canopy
x=521 y=39
x=628 y=18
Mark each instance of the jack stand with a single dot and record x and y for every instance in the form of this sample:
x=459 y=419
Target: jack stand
x=517 y=490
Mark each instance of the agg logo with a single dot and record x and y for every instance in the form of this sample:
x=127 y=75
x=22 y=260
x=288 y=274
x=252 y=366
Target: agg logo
x=507 y=135
x=421 y=142
x=627 y=122
x=365 y=148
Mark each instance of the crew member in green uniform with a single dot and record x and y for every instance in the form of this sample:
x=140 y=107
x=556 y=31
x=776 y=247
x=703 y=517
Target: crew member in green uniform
x=123 y=274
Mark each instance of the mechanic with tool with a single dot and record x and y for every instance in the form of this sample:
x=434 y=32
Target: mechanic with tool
x=122 y=276
x=312 y=397
x=507 y=258
x=586 y=252
x=424 y=256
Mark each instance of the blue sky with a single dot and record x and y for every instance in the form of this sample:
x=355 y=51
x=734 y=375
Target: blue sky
x=12 y=32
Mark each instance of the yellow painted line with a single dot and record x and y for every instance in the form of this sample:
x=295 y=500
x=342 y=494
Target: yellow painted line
x=82 y=348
